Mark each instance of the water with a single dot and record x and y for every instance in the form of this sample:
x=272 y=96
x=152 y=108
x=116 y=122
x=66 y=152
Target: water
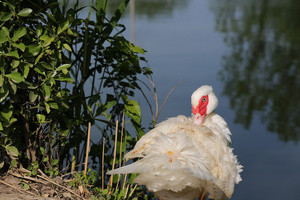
x=249 y=52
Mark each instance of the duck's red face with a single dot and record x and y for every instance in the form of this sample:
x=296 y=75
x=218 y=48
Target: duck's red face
x=200 y=111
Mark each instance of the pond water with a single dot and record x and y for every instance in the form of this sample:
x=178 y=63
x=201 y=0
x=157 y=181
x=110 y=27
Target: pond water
x=249 y=52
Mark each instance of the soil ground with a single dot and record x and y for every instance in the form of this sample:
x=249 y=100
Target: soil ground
x=16 y=185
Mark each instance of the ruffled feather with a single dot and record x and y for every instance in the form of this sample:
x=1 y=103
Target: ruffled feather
x=178 y=156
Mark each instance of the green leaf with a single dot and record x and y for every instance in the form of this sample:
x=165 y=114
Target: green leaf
x=54 y=162
x=20 y=46
x=5 y=16
x=40 y=69
x=64 y=78
x=19 y=33
x=13 y=54
x=93 y=99
x=51 y=17
x=110 y=104
x=13 y=163
x=47 y=107
x=1 y=80
x=105 y=191
x=42 y=150
x=33 y=94
x=25 y=70
x=4 y=91
x=64 y=66
x=47 y=65
x=1 y=129
x=13 y=88
x=38 y=58
x=108 y=116
x=63 y=27
x=34 y=172
x=25 y=12
x=33 y=86
x=46 y=91
x=133 y=111
x=15 y=63
x=40 y=118
x=12 y=151
x=64 y=105
x=137 y=49
x=6 y=115
x=5 y=31
x=15 y=77
x=64 y=133
x=132 y=177
x=45 y=159
x=47 y=40
x=115 y=18
x=3 y=35
x=13 y=120
x=39 y=29
x=34 y=49
x=66 y=46
x=53 y=105
x=25 y=186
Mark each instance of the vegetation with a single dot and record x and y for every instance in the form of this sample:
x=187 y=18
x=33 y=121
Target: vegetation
x=60 y=75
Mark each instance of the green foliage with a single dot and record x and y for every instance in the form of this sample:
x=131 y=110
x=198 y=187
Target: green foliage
x=83 y=180
x=58 y=72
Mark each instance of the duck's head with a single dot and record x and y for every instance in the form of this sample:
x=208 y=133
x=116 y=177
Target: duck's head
x=204 y=101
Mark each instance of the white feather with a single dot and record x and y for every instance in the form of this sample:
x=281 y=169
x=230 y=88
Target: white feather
x=179 y=160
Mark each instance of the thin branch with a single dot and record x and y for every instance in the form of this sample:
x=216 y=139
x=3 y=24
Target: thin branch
x=149 y=104
x=46 y=178
x=22 y=190
x=87 y=149
x=115 y=152
x=167 y=99
x=132 y=191
x=103 y=163
x=120 y=157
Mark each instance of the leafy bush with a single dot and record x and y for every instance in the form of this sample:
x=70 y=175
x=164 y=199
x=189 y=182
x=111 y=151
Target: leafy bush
x=58 y=73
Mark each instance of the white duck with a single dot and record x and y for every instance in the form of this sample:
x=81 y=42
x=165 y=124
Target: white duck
x=184 y=158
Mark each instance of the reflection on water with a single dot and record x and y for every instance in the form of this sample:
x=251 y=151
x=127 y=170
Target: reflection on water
x=262 y=71
x=154 y=9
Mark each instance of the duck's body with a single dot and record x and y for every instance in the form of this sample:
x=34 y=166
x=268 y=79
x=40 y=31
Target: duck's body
x=181 y=159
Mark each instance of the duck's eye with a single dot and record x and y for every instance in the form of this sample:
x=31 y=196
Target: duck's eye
x=203 y=99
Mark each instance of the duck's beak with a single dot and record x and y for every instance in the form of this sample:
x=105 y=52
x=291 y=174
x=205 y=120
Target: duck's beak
x=198 y=119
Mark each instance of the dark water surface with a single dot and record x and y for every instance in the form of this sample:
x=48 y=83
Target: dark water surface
x=249 y=51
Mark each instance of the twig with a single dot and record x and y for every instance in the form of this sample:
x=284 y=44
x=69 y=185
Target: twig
x=124 y=181
x=126 y=191
x=132 y=191
x=87 y=149
x=120 y=157
x=17 y=188
x=42 y=173
x=122 y=131
x=147 y=100
x=67 y=174
x=28 y=178
x=155 y=97
x=53 y=182
x=167 y=99
x=46 y=178
x=115 y=152
x=103 y=163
